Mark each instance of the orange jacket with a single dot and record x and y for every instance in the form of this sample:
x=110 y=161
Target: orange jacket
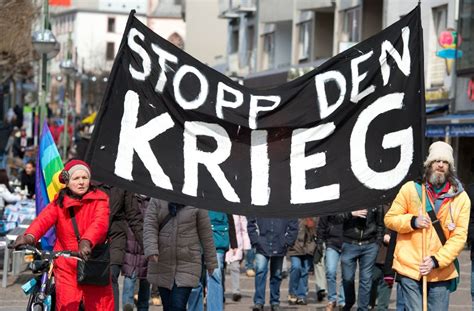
x=408 y=251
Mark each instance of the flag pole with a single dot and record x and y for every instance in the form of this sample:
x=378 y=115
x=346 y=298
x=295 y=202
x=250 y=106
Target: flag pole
x=423 y=250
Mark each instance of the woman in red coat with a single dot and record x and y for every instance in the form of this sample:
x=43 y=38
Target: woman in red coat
x=91 y=209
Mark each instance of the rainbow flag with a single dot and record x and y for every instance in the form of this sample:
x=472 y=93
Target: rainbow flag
x=48 y=167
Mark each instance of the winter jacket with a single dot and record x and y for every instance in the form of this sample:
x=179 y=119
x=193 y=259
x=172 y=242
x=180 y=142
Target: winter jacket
x=122 y=212
x=178 y=245
x=305 y=243
x=330 y=233
x=7 y=196
x=135 y=261
x=272 y=236
x=243 y=241
x=92 y=217
x=408 y=251
x=358 y=230
x=220 y=231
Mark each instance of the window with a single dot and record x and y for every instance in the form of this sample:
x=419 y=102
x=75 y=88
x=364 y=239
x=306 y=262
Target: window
x=110 y=51
x=269 y=49
x=111 y=24
x=465 y=64
x=437 y=66
x=304 y=41
x=351 y=31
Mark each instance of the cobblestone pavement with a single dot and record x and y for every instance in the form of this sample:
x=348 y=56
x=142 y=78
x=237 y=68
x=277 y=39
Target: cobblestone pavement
x=12 y=298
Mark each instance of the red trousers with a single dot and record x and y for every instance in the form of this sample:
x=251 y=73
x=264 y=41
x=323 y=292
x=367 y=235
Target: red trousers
x=69 y=297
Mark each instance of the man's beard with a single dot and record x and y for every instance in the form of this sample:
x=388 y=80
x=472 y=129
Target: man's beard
x=437 y=179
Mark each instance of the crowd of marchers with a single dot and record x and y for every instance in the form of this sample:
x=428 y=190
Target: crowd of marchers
x=177 y=255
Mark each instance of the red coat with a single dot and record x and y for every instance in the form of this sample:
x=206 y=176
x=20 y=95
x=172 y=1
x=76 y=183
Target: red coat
x=92 y=217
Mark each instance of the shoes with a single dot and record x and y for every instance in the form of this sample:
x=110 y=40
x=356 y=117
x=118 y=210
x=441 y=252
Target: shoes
x=321 y=295
x=301 y=301
x=291 y=299
x=236 y=297
x=331 y=306
x=128 y=307
x=275 y=308
x=250 y=273
x=156 y=301
x=257 y=307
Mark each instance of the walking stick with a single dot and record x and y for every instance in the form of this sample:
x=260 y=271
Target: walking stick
x=423 y=249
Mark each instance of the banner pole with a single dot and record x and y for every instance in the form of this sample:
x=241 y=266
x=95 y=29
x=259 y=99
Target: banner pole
x=423 y=250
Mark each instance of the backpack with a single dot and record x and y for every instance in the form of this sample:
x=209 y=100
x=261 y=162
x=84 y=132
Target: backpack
x=220 y=230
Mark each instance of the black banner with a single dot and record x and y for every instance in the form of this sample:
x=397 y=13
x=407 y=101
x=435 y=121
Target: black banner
x=342 y=137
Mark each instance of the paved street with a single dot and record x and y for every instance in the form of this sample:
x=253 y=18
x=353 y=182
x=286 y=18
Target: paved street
x=12 y=298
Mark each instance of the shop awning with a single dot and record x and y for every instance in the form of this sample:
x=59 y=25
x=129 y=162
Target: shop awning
x=453 y=125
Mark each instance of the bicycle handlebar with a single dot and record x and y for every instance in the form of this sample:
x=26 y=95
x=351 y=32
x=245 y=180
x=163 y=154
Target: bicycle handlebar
x=48 y=254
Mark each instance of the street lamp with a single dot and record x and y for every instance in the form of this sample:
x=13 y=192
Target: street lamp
x=46 y=45
x=44 y=42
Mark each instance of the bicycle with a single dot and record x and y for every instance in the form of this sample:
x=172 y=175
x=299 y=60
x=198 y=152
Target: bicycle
x=41 y=288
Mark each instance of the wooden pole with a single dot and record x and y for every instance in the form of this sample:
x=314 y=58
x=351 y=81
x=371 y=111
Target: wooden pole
x=423 y=250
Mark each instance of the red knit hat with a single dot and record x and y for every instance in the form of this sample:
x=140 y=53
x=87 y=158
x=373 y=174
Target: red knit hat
x=71 y=167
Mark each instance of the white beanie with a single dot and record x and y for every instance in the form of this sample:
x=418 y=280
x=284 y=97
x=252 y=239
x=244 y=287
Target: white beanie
x=440 y=151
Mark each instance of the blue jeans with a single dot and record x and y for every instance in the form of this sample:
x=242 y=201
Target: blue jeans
x=298 y=285
x=366 y=255
x=250 y=259
x=215 y=287
x=400 y=299
x=174 y=299
x=143 y=292
x=332 y=261
x=261 y=263
x=195 y=301
x=438 y=294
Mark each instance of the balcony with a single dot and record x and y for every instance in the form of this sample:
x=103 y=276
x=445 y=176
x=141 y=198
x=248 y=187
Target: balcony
x=233 y=8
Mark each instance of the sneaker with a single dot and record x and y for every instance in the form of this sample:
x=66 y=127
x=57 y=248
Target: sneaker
x=321 y=295
x=250 y=273
x=257 y=307
x=236 y=297
x=128 y=307
x=291 y=299
x=331 y=306
x=301 y=301
x=156 y=301
x=276 y=308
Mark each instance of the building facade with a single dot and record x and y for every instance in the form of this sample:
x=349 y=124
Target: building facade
x=89 y=34
x=270 y=42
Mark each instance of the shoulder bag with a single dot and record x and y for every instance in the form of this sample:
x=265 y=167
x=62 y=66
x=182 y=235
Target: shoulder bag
x=96 y=269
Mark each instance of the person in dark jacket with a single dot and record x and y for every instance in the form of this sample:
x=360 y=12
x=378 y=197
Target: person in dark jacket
x=271 y=237
x=301 y=256
x=122 y=212
x=330 y=233
x=135 y=266
x=362 y=234
x=28 y=178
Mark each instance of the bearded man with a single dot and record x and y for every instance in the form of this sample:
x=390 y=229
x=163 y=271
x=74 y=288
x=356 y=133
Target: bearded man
x=445 y=217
